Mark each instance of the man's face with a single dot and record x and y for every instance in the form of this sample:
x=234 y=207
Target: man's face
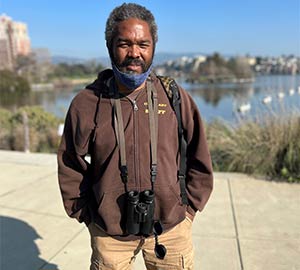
x=132 y=48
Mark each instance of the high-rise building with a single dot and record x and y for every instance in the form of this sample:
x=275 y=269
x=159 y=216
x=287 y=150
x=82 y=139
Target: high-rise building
x=14 y=41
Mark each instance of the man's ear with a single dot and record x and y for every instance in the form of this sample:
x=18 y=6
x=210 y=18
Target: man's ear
x=109 y=49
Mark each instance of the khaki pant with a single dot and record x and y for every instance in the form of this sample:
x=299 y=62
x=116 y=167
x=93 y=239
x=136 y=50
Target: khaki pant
x=109 y=253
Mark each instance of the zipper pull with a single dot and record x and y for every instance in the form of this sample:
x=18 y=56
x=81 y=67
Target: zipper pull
x=135 y=107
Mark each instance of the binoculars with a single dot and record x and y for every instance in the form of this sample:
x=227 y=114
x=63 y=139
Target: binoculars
x=140 y=218
x=140 y=211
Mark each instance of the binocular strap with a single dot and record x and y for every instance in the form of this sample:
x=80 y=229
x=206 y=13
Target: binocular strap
x=153 y=127
x=160 y=250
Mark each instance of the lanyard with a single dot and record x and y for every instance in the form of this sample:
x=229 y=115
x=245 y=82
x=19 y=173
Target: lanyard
x=153 y=126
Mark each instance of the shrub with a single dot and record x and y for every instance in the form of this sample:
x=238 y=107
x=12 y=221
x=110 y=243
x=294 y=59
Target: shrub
x=42 y=126
x=5 y=129
x=268 y=146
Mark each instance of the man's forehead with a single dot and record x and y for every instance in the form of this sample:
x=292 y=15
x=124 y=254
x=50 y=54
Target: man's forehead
x=133 y=28
x=133 y=23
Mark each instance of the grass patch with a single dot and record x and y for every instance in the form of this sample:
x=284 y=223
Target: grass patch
x=269 y=146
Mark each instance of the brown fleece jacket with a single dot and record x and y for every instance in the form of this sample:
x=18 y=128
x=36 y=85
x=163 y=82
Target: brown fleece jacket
x=95 y=192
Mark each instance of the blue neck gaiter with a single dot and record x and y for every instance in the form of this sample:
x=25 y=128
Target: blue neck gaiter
x=131 y=81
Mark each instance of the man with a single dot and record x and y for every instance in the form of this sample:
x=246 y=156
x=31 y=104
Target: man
x=129 y=195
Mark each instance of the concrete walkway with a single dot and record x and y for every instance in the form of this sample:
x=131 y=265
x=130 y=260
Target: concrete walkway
x=248 y=223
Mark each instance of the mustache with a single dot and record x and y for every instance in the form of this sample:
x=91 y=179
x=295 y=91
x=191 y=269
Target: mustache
x=133 y=61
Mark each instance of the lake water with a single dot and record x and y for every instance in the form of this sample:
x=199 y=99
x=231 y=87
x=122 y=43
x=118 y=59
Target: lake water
x=229 y=102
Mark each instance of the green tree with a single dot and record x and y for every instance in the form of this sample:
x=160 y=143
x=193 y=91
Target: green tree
x=215 y=69
x=12 y=83
x=240 y=67
x=63 y=70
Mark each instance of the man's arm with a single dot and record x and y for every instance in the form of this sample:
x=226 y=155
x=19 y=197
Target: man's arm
x=199 y=176
x=73 y=169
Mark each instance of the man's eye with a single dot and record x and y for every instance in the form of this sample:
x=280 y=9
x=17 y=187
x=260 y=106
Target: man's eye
x=123 y=45
x=144 y=45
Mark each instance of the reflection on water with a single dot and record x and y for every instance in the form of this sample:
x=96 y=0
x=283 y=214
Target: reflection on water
x=227 y=101
x=56 y=102
x=232 y=102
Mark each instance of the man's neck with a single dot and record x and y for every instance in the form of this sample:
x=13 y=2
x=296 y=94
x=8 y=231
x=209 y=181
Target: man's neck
x=125 y=91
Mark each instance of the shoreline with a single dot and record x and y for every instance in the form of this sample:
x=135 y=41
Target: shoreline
x=59 y=83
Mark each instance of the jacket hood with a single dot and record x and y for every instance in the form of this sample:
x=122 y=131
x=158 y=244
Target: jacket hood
x=100 y=85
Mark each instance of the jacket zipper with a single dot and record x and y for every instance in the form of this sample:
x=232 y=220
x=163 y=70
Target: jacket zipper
x=135 y=107
x=136 y=167
x=136 y=159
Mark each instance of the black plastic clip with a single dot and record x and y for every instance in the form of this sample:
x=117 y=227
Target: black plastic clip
x=153 y=172
x=124 y=174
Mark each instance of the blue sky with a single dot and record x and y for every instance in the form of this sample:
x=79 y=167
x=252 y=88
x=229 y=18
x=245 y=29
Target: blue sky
x=232 y=27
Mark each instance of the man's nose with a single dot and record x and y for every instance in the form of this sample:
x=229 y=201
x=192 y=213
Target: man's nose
x=134 y=51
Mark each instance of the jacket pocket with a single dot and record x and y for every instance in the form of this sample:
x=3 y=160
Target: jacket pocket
x=168 y=207
x=112 y=209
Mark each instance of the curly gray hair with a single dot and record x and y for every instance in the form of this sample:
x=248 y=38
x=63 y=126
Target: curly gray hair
x=127 y=11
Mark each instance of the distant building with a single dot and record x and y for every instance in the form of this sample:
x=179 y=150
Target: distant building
x=14 y=41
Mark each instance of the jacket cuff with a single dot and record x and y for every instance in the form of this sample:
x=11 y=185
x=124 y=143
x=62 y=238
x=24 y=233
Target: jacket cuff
x=191 y=211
